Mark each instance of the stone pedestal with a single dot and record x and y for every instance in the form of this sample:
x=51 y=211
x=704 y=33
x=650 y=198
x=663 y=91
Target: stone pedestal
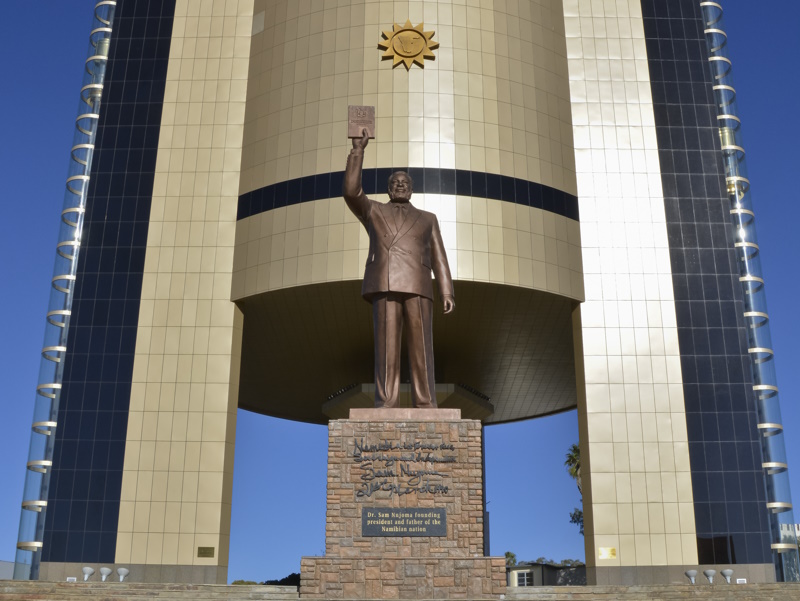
x=405 y=510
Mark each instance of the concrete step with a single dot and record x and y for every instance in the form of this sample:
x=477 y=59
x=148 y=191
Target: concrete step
x=672 y=592
x=136 y=591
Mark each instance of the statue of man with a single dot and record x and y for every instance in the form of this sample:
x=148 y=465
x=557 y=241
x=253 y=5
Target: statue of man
x=404 y=246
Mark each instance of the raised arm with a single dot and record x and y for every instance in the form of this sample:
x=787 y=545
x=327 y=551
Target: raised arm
x=352 y=191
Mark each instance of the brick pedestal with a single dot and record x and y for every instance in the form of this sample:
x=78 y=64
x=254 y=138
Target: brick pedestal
x=405 y=462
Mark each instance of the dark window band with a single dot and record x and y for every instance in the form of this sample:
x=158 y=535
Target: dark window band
x=426 y=181
x=728 y=488
x=85 y=487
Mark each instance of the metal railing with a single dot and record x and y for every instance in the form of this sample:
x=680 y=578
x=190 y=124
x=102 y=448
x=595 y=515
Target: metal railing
x=48 y=389
x=756 y=316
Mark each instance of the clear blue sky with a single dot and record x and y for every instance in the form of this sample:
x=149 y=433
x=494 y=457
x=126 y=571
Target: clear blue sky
x=278 y=502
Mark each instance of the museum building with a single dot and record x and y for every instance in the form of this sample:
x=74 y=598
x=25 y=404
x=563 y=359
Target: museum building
x=586 y=165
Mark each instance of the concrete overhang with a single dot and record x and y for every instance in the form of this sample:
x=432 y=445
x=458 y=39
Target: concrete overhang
x=505 y=354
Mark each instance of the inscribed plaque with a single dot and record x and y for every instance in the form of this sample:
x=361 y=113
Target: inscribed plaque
x=412 y=521
x=360 y=118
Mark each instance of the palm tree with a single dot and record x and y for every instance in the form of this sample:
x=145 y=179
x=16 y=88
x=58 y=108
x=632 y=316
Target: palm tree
x=511 y=558
x=573 y=464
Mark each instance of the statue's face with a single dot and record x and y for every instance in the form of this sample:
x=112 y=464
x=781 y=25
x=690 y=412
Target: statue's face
x=400 y=187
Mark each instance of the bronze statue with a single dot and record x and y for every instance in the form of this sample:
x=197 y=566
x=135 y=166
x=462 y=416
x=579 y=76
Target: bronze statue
x=404 y=246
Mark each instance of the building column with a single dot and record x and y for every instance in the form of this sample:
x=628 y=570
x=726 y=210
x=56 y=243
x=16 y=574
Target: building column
x=637 y=490
x=178 y=474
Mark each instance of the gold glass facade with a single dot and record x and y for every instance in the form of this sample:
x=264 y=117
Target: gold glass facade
x=494 y=102
x=540 y=115
x=638 y=490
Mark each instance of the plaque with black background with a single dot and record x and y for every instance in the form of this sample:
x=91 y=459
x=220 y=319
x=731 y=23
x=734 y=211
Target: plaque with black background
x=412 y=521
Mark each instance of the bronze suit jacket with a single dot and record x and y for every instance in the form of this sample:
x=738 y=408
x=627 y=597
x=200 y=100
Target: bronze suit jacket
x=398 y=260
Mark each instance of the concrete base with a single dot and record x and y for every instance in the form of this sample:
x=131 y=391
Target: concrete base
x=59 y=572
x=402 y=414
x=642 y=575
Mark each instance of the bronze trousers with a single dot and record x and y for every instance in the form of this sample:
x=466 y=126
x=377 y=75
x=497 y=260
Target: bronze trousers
x=392 y=312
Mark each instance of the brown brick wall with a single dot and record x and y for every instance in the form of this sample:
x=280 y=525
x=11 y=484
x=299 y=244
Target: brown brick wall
x=402 y=459
x=463 y=501
x=401 y=578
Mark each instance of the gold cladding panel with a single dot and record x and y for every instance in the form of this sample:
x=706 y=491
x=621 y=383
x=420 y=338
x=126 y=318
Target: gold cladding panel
x=637 y=485
x=486 y=240
x=495 y=99
x=178 y=468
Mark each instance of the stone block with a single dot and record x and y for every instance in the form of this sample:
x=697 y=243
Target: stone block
x=403 y=452
x=352 y=590
x=445 y=567
x=412 y=570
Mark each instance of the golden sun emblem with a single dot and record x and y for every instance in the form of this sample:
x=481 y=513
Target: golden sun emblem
x=408 y=45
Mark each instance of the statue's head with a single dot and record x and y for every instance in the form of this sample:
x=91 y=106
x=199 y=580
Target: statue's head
x=401 y=186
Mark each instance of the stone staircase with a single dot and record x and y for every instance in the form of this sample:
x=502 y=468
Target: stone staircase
x=659 y=592
x=135 y=591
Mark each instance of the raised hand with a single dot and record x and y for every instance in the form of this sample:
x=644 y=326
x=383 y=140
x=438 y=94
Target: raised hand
x=362 y=141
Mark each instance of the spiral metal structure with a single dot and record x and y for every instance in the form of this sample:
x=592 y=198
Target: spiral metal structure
x=756 y=316
x=48 y=390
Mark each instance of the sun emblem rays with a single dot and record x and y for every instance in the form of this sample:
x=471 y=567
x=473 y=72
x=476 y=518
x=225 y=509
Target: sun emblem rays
x=407 y=44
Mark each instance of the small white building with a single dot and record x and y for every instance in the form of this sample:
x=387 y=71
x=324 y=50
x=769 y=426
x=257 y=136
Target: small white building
x=544 y=574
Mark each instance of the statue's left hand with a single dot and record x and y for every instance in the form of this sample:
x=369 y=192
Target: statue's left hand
x=449 y=304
